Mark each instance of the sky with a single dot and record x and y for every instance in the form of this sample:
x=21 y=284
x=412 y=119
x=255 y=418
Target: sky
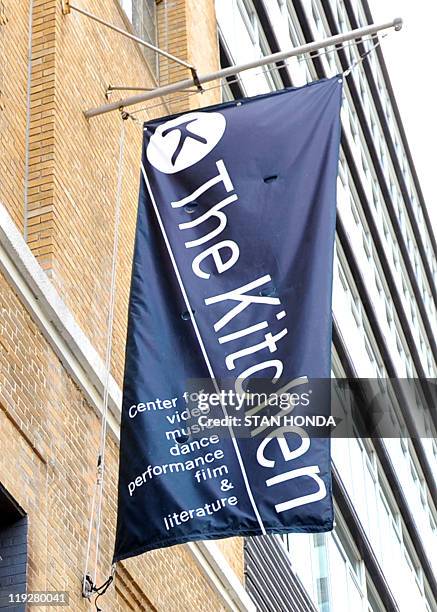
x=410 y=59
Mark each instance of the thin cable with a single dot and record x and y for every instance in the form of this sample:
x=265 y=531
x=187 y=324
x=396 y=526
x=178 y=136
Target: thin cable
x=101 y=460
x=236 y=79
x=99 y=486
x=360 y=59
x=90 y=531
x=27 y=133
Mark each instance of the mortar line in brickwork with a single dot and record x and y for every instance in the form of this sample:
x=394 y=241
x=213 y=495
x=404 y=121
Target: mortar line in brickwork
x=28 y=118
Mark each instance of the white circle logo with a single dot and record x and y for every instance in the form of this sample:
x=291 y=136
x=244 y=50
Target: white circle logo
x=184 y=141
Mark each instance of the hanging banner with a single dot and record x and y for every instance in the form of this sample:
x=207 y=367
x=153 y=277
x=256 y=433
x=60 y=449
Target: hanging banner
x=231 y=289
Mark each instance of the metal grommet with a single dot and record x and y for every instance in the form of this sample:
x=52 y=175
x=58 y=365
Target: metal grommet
x=268 y=292
x=191 y=207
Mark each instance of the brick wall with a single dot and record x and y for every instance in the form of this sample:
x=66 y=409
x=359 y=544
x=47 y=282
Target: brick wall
x=48 y=433
x=13 y=76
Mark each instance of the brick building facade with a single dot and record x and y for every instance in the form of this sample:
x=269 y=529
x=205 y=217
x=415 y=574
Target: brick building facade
x=56 y=235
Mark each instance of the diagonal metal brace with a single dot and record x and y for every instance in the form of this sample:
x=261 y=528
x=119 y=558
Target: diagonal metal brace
x=68 y=6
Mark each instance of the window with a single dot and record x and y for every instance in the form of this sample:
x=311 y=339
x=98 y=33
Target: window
x=373 y=124
x=356 y=308
x=369 y=351
x=322 y=571
x=432 y=524
x=367 y=243
x=345 y=572
x=353 y=124
x=399 y=346
x=375 y=197
x=340 y=16
x=396 y=256
x=250 y=19
x=404 y=288
x=343 y=279
x=380 y=372
x=414 y=569
x=142 y=15
x=13 y=550
x=403 y=440
x=355 y=213
x=389 y=311
x=294 y=37
x=316 y=17
x=377 y=281
x=374 y=602
x=414 y=474
x=383 y=158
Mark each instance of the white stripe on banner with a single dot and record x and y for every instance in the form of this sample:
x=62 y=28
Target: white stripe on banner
x=203 y=349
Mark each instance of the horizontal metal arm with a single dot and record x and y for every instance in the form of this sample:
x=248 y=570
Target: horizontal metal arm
x=232 y=70
x=112 y=88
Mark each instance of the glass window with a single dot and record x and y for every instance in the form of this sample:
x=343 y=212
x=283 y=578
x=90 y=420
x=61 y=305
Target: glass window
x=322 y=571
x=13 y=550
x=250 y=19
x=377 y=281
x=346 y=575
x=389 y=310
x=355 y=213
x=342 y=278
x=142 y=15
x=367 y=243
x=369 y=351
x=356 y=308
x=375 y=197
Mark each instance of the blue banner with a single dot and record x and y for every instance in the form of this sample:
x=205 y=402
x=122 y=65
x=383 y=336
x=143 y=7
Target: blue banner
x=231 y=289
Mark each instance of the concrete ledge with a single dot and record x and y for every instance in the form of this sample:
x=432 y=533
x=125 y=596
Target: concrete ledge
x=55 y=320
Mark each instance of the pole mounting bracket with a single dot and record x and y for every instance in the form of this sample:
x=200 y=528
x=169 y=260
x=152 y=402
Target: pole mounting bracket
x=195 y=78
x=66 y=8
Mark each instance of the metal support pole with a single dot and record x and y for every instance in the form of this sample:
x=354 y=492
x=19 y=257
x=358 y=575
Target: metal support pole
x=112 y=88
x=232 y=70
x=67 y=7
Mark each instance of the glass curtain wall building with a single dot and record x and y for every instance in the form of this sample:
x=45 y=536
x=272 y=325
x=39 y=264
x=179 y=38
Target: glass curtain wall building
x=382 y=554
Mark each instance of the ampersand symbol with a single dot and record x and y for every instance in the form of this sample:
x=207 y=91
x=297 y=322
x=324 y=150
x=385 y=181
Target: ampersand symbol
x=225 y=485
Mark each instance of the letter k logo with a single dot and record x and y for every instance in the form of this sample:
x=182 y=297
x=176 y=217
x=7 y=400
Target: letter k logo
x=182 y=142
x=185 y=133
